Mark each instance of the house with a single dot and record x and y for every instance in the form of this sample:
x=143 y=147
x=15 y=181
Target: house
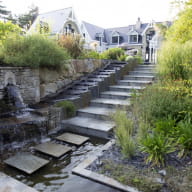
x=139 y=38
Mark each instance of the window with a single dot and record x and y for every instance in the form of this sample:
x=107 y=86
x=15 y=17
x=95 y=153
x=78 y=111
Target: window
x=133 y=39
x=150 y=35
x=115 y=39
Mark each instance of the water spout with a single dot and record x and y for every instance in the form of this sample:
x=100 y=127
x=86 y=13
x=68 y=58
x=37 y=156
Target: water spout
x=14 y=97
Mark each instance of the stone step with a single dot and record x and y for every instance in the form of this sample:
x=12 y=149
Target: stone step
x=95 y=79
x=100 y=76
x=150 y=73
x=72 y=138
x=53 y=149
x=139 y=77
x=9 y=184
x=88 y=83
x=115 y=95
x=26 y=162
x=95 y=112
x=110 y=103
x=123 y=88
x=145 y=69
x=108 y=70
x=88 y=126
x=133 y=82
x=149 y=65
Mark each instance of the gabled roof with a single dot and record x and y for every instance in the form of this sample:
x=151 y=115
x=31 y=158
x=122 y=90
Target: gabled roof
x=93 y=30
x=55 y=19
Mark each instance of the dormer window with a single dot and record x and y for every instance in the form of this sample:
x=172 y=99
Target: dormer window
x=115 y=39
x=133 y=38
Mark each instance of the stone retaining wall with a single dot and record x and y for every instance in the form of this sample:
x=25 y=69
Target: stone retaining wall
x=35 y=84
x=26 y=79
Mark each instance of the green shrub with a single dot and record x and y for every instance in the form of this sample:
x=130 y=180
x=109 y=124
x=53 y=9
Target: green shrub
x=6 y=29
x=91 y=55
x=122 y=57
x=184 y=132
x=124 y=132
x=175 y=60
x=158 y=102
x=165 y=127
x=129 y=58
x=74 y=44
x=68 y=106
x=113 y=53
x=139 y=59
x=33 y=51
x=157 y=146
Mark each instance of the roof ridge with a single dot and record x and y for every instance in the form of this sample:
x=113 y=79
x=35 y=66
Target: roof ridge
x=93 y=25
x=55 y=10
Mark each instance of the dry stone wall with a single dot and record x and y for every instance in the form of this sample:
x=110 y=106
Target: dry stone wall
x=35 y=84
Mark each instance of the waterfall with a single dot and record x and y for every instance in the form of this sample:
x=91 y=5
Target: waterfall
x=14 y=96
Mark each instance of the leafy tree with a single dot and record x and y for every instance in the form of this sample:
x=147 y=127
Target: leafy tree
x=6 y=29
x=3 y=11
x=26 y=20
x=181 y=30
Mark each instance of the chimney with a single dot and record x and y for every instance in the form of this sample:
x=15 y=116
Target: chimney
x=138 y=24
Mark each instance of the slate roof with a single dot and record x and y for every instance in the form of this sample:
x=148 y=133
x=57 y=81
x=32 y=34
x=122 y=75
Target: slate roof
x=56 y=19
x=93 y=30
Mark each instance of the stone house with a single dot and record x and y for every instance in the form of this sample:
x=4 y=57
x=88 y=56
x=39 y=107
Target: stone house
x=138 y=38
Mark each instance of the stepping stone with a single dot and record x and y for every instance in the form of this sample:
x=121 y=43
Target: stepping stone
x=72 y=138
x=52 y=149
x=9 y=184
x=26 y=162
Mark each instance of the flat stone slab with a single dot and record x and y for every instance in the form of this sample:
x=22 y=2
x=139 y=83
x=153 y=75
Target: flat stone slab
x=72 y=138
x=89 y=123
x=9 y=184
x=97 y=110
x=111 y=101
x=52 y=149
x=26 y=162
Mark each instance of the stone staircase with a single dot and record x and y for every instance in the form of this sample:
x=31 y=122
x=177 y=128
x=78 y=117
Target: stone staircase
x=94 y=119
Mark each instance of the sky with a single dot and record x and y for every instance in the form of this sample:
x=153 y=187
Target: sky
x=104 y=13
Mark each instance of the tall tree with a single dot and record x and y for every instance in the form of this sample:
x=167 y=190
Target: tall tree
x=3 y=11
x=181 y=30
x=27 y=19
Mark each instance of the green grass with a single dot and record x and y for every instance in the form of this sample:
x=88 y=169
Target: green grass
x=68 y=106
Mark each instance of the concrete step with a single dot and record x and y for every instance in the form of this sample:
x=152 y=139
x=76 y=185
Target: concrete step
x=144 y=66
x=139 y=77
x=133 y=82
x=95 y=79
x=88 y=126
x=145 y=69
x=110 y=103
x=100 y=76
x=115 y=95
x=123 y=88
x=150 y=73
x=9 y=184
x=95 y=112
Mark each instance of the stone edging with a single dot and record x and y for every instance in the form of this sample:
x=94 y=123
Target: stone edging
x=100 y=178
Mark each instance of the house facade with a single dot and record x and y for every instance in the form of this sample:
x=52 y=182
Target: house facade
x=140 y=38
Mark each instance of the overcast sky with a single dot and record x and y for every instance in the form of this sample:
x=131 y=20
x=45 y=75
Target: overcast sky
x=105 y=13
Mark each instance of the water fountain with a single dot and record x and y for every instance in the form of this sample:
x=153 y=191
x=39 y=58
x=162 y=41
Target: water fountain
x=18 y=123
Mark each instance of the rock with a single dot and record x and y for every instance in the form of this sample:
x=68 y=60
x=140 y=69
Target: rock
x=160 y=180
x=162 y=172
